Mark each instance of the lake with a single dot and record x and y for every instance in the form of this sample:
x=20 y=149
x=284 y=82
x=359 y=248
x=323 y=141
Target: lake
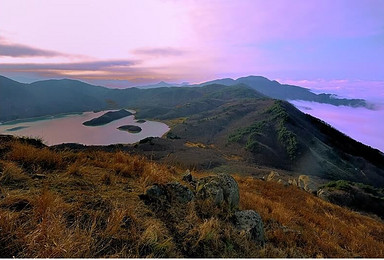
x=70 y=129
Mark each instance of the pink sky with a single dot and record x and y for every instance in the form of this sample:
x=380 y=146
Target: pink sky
x=145 y=41
x=333 y=46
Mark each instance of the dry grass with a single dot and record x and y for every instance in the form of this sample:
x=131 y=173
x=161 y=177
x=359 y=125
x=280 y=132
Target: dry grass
x=13 y=175
x=32 y=157
x=87 y=205
x=173 y=122
x=304 y=225
x=198 y=145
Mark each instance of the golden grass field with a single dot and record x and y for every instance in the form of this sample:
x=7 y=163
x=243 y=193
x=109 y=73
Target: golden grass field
x=86 y=204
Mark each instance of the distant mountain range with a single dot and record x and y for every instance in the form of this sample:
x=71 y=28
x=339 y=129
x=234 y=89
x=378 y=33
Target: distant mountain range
x=231 y=126
x=47 y=97
x=276 y=90
x=163 y=84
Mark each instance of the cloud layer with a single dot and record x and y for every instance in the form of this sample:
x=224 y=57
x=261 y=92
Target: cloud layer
x=19 y=50
x=359 y=123
x=159 y=52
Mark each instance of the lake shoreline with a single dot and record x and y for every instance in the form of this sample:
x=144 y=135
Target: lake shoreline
x=68 y=128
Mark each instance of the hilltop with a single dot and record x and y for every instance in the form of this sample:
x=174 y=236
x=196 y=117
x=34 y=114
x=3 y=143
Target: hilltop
x=237 y=129
x=63 y=203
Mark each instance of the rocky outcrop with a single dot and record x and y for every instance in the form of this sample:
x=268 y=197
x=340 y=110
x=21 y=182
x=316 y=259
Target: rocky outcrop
x=272 y=176
x=250 y=221
x=179 y=193
x=275 y=176
x=168 y=193
x=307 y=183
x=303 y=181
x=221 y=188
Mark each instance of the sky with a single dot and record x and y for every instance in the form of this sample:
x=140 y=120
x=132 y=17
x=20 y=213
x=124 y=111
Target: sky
x=331 y=46
x=323 y=44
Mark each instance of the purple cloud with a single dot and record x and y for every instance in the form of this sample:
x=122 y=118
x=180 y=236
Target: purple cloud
x=123 y=70
x=159 y=52
x=20 y=50
x=89 y=65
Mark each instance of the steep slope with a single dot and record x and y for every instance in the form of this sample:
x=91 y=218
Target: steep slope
x=14 y=98
x=276 y=134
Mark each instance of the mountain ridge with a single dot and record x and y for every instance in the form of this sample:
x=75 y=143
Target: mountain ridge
x=274 y=89
x=68 y=95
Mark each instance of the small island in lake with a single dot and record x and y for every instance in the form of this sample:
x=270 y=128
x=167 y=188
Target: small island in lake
x=16 y=128
x=108 y=117
x=130 y=128
x=141 y=121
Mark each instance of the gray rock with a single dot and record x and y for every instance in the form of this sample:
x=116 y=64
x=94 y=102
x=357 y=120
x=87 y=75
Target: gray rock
x=323 y=194
x=307 y=183
x=154 y=194
x=177 y=192
x=220 y=188
x=189 y=178
x=250 y=221
x=284 y=182
x=230 y=189
x=170 y=192
x=292 y=182
x=209 y=188
x=272 y=176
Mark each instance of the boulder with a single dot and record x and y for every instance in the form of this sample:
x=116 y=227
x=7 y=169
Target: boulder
x=283 y=182
x=272 y=176
x=306 y=183
x=251 y=222
x=220 y=188
x=168 y=193
x=189 y=178
x=323 y=194
x=179 y=193
x=230 y=189
x=154 y=194
x=292 y=182
x=209 y=188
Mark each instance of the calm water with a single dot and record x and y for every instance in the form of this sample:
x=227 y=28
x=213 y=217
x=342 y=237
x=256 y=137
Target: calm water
x=69 y=129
